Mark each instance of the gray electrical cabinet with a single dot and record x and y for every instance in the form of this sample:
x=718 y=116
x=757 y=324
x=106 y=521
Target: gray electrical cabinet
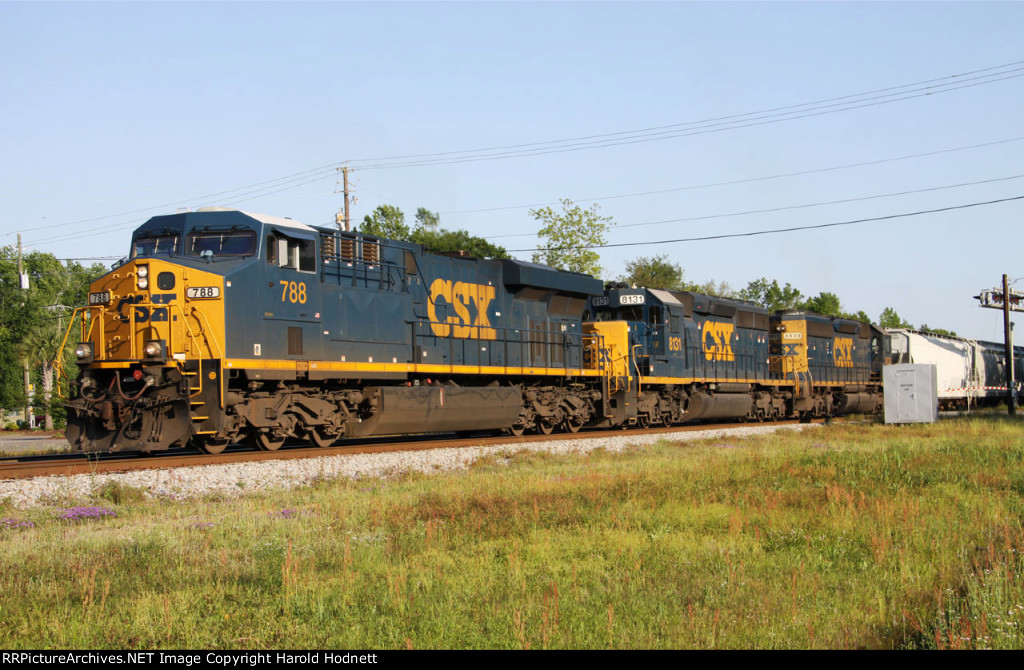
x=911 y=393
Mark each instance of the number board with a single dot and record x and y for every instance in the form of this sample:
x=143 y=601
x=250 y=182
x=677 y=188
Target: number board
x=631 y=299
x=202 y=292
x=600 y=301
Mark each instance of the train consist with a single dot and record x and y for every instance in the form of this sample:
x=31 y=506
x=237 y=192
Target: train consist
x=970 y=372
x=223 y=326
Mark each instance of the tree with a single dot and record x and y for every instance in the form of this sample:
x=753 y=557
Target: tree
x=825 y=303
x=718 y=289
x=447 y=241
x=890 y=319
x=54 y=288
x=771 y=295
x=925 y=328
x=40 y=348
x=654 y=272
x=427 y=220
x=568 y=238
x=389 y=221
x=386 y=221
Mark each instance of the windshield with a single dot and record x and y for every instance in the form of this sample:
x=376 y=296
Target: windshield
x=151 y=246
x=236 y=243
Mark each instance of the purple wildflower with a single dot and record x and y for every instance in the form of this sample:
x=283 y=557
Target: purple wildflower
x=11 y=524
x=202 y=525
x=79 y=513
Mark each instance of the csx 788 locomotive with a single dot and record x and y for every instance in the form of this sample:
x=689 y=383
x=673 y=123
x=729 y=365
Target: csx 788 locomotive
x=224 y=325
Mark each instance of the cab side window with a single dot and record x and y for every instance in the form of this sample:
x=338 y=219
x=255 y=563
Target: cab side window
x=291 y=252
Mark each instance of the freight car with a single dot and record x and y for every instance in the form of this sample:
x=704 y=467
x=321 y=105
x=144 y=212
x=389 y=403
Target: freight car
x=224 y=326
x=970 y=372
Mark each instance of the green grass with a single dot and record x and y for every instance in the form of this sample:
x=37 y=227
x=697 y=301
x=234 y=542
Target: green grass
x=847 y=536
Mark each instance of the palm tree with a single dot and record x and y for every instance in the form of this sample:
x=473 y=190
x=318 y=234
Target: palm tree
x=40 y=349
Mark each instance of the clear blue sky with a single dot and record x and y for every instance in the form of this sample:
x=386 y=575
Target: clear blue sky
x=109 y=108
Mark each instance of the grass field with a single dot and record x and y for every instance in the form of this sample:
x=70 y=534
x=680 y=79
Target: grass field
x=847 y=536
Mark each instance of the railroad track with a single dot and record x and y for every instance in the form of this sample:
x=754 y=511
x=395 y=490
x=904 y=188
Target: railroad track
x=23 y=467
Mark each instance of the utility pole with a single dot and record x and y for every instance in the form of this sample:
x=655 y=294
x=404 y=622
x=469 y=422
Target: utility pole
x=23 y=284
x=1011 y=401
x=342 y=219
x=1007 y=301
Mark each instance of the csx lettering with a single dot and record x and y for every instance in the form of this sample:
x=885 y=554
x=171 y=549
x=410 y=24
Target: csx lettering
x=843 y=352
x=460 y=297
x=718 y=341
x=144 y=313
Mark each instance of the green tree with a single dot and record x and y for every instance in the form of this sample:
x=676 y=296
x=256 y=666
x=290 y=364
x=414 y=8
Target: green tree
x=937 y=331
x=389 y=221
x=660 y=272
x=824 y=303
x=569 y=237
x=386 y=221
x=453 y=241
x=654 y=272
x=890 y=319
x=427 y=220
x=54 y=290
x=719 y=289
x=41 y=347
x=772 y=296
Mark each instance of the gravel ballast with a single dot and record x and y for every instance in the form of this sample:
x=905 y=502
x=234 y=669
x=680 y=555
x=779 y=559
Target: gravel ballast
x=237 y=479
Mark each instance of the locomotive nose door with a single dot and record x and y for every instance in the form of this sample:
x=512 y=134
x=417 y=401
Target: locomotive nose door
x=292 y=322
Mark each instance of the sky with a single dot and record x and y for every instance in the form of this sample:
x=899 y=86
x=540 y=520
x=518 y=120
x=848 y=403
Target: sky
x=678 y=120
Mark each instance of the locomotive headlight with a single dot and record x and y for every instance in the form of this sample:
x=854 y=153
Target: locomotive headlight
x=83 y=352
x=143 y=270
x=143 y=282
x=142 y=276
x=154 y=349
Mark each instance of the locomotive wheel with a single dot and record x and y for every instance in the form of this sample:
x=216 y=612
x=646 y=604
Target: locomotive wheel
x=545 y=428
x=573 y=426
x=268 y=442
x=517 y=430
x=643 y=421
x=212 y=444
x=321 y=437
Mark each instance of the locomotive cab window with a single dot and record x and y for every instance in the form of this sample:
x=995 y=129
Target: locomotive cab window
x=154 y=245
x=291 y=252
x=221 y=243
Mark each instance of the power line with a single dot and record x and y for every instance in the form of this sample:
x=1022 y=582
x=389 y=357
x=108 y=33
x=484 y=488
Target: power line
x=779 y=230
x=536 y=145
x=287 y=182
x=663 y=135
x=743 y=181
x=792 y=207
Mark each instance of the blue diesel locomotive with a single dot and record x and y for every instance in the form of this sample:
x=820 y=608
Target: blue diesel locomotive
x=223 y=325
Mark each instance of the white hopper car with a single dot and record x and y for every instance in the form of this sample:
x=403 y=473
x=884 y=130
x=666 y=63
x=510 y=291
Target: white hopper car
x=970 y=372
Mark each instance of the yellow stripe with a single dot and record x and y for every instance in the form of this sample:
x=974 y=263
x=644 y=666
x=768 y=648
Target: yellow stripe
x=331 y=366
x=713 y=380
x=722 y=380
